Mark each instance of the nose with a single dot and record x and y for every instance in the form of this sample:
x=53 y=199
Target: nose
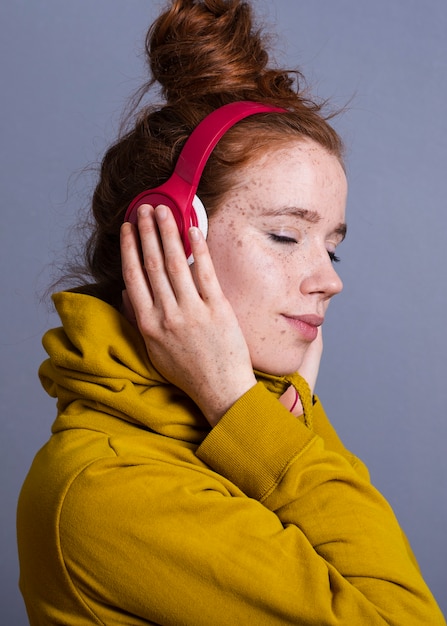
x=321 y=277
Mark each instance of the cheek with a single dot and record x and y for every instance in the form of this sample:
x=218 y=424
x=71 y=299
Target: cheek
x=252 y=289
x=249 y=272
x=234 y=273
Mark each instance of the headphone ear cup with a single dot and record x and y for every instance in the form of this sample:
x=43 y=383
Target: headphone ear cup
x=154 y=198
x=199 y=218
x=201 y=215
x=198 y=215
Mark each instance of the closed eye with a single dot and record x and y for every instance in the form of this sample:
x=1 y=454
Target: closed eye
x=282 y=238
x=290 y=240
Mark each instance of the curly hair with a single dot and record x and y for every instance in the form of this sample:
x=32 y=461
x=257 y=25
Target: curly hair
x=202 y=54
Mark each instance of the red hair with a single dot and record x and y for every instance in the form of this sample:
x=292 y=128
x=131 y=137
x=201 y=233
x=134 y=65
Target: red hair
x=202 y=55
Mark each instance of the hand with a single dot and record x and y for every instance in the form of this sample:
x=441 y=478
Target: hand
x=309 y=371
x=311 y=363
x=191 y=332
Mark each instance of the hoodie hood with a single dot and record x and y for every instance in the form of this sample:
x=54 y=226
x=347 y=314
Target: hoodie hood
x=98 y=363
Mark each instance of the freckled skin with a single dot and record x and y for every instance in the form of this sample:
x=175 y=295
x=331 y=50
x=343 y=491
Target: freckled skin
x=267 y=280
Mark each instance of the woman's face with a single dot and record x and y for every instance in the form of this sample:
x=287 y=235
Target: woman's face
x=272 y=241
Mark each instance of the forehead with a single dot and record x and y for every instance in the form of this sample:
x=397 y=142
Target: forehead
x=301 y=174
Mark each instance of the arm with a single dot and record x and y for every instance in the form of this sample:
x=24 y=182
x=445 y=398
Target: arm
x=294 y=537
x=326 y=546
x=361 y=565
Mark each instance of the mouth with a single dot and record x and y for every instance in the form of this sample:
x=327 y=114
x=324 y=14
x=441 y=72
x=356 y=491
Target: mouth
x=306 y=325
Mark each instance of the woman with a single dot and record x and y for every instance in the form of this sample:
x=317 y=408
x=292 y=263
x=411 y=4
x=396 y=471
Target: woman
x=191 y=476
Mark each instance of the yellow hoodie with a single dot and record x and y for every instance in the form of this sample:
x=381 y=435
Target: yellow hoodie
x=135 y=512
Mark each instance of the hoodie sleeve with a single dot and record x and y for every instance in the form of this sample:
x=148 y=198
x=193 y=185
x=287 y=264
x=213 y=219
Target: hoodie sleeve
x=269 y=528
x=348 y=545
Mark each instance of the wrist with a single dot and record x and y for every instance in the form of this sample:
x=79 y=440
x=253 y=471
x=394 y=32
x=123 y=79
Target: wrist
x=219 y=401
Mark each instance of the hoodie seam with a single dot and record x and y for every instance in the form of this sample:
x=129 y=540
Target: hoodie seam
x=61 y=551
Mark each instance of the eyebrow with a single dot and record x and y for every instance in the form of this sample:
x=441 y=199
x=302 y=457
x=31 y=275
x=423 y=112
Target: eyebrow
x=308 y=216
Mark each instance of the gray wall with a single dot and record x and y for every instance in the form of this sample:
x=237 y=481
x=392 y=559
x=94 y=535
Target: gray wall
x=67 y=68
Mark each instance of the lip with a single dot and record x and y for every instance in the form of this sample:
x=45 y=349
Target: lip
x=306 y=325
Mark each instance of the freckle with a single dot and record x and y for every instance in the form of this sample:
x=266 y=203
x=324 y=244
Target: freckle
x=239 y=244
x=283 y=332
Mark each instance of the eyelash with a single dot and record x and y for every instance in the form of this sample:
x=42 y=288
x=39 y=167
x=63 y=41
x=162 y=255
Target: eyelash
x=282 y=239
x=333 y=257
x=289 y=240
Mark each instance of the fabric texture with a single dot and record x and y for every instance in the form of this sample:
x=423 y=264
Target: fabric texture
x=136 y=512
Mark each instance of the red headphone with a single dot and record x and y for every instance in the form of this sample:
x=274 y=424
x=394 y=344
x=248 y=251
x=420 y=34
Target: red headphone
x=179 y=191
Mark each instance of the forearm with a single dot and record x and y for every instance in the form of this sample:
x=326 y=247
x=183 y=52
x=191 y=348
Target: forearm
x=273 y=458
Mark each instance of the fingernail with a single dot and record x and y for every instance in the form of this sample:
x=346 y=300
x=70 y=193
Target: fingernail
x=143 y=210
x=194 y=234
x=162 y=211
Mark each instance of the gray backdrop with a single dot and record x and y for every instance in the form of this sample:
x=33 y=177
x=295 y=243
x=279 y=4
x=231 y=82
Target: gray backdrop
x=67 y=68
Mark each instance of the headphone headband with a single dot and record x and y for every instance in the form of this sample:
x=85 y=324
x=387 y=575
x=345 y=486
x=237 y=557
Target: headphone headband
x=205 y=136
x=179 y=191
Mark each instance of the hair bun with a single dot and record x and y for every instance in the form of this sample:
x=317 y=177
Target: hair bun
x=199 y=48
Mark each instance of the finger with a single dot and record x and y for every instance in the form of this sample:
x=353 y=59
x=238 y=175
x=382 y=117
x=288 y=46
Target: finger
x=133 y=272
x=205 y=274
x=175 y=262
x=154 y=261
x=311 y=362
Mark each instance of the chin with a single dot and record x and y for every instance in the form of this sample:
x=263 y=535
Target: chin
x=278 y=367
